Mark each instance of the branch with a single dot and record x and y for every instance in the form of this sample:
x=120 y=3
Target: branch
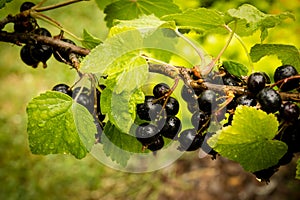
x=165 y=69
x=17 y=38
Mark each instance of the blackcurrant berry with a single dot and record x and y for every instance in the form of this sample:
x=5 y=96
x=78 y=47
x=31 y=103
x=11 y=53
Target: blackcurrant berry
x=63 y=88
x=62 y=55
x=189 y=140
x=26 y=24
x=283 y=72
x=267 y=78
x=160 y=90
x=171 y=127
x=26 y=57
x=188 y=94
x=146 y=133
x=42 y=31
x=157 y=144
x=207 y=101
x=256 y=82
x=41 y=53
x=150 y=109
x=172 y=106
x=246 y=100
x=229 y=80
x=26 y=6
x=291 y=136
x=199 y=119
x=193 y=106
x=289 y=111
x=84 y=97
x=269 y=100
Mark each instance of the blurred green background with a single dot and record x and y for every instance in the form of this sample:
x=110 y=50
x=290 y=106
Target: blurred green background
x=27 y=176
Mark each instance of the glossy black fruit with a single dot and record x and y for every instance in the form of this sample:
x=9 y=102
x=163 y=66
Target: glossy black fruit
x=283 y=72
x=200 y=119
x=256 y=82
x=146 y=133
x=189 y=140
x=41 y=52
x=229 y=80
x=269 y=100
x=172 y=106
x=26 y=57
x=150 y=109
x=188 y=94
x=207 y=101
x=289 y=111
x=246 y=100
x=84 y=97
x=157 y=144
x=26 y=24
x=160 y=90
x=63 y=55
x=42 y=31
x=171 y=127
x=63 y=88
x=26 y=6
x=291 y=136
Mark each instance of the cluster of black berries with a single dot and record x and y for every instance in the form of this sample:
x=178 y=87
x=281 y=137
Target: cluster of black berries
x=262 y=95
x=34 y=52
x=90 y=99
x=158 y=113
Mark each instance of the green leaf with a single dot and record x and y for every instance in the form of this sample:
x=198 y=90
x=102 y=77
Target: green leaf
x=298 y=169
x=250 y=19
x=146 y=24
x=89 y=41
x=235 y=68
x=288 y=54
x=103 y=3
x=56 y=124
x=201 y=19
x=119 y=145
x=249 y=140
x=3 y=2
x=128 y=9
x=106 y=55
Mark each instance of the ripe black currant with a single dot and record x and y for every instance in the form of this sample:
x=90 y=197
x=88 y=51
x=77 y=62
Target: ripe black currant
x=289 y=111
x=189 y=140
x=41 y=53
x=269 y=100
x=63 y=88
x=171 y=127
x=62 y=55
x=246 y=100
x=188 y=94
x=200 y=119
x=207 y=101
x=229 y=80
x=150 y=109
x=291 y=136
x=26 y=6
x=283 y=72
x=157 y=144
x=26 y=57
x=256 y=82
x=160 y=90
x=84 y=97
x=172 y=106
x=146 y=133
x=25 y=24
